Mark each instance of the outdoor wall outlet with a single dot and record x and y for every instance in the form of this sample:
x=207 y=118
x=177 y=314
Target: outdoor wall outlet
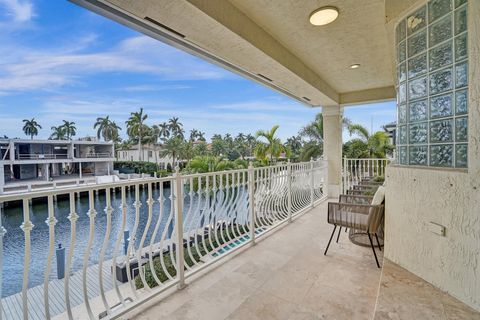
x=436 y=228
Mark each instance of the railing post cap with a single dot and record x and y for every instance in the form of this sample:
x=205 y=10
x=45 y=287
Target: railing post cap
x=177 y=169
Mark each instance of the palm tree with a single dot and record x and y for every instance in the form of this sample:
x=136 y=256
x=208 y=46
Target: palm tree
x=241 y=145
x=154 y=137
x=218 y=145
x=377 y=144
x=314 y=130
x=176 y=127
x=106 y=129
x=251 y=142
x=294 y=143
x=201 y=136
x=125 y=145
x=164 y=130
x=136 y=127
x=200 y=149
x=172 y=148
x=193 y=135
x=57 y=133
x=187 y=151
x=69 y=129
x=271 y=147
x=31 y=127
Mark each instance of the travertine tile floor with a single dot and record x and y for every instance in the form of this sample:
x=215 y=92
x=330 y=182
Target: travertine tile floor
x=286 y=276
x=403 y=295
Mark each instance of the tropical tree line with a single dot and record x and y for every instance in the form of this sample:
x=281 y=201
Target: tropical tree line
x=171 y=140
x=65 y=131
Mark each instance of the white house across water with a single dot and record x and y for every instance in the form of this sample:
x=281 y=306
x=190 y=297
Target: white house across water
x=40 y=162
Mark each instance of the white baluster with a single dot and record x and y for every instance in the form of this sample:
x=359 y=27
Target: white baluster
x=73 y=217
x=108 y=211
x=251 y=202
x=123 y=208
x=51 y=221
x=178 y=184
x=91 y=214
x=26 y=227
x=289 y=190
x=311 y=183
x=2 y=234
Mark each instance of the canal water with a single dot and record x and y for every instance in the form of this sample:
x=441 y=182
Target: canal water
x=14 y=244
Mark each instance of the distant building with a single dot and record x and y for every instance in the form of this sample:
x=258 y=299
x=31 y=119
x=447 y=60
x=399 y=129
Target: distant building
x=33 y=162
x=151 y=153
x=391 y=130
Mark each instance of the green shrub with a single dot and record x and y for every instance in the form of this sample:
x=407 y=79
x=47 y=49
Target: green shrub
x=136 y=167
x=163 y=173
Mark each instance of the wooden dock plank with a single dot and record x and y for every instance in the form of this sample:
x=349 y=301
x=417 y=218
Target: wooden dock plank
x=76 y=296
x=10 y=311
x=35 y=300
x=12 y=305
x=56 y=298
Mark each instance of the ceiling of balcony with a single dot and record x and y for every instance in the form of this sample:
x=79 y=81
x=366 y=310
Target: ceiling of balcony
x=357 y=36
x=276 y=40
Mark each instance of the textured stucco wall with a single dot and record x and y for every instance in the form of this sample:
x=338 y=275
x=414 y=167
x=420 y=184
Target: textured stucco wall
x=415 y=197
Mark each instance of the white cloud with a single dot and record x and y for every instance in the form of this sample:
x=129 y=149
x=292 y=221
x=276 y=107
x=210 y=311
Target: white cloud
x=21 y=11
x=146 y=87
x=41 y=69
x=206 y=118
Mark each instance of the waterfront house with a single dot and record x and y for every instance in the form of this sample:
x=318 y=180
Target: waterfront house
x=35 y=163
x=149 y=153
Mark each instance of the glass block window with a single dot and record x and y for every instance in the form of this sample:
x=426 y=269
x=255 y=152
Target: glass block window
x=432 y=85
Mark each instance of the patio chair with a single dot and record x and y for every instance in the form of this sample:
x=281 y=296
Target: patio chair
x=355 y=213
x=353 y=199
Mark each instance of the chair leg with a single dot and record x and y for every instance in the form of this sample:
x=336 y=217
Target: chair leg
x=373 y=248
x=328 y=245
x=378 y=243
x=346 y=229
x=338 y=236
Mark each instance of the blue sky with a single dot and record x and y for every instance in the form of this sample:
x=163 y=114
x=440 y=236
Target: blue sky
x=60 y=61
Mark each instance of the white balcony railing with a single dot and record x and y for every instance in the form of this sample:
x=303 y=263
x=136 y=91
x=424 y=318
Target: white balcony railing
x=51 y=156
x=177 y=226
x=98 y=155
x=355 y=170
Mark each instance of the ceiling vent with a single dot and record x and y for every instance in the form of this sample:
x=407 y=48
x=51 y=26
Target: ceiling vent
x=264 y=77
x=305 y=98
x=161 y=25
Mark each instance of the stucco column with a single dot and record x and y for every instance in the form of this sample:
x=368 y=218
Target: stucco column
x=332 y=147
x=2 y=177
x=80 y=170
x=11 y=147
x=47 y=172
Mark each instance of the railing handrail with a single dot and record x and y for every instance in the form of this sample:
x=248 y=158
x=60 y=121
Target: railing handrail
x=366 y=159
x=40 y=156
x=131 y=182
x=98 y=155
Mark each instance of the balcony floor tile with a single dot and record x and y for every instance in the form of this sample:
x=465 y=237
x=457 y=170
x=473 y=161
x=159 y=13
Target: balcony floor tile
x=285 y=276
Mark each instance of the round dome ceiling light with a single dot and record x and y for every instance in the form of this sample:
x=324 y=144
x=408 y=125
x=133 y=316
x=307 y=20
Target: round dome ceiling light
x=323 y=16
x=355 y=66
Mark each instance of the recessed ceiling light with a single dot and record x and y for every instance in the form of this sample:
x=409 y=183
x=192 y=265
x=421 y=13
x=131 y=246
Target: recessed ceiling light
x=323 y=16
x=355 y=66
